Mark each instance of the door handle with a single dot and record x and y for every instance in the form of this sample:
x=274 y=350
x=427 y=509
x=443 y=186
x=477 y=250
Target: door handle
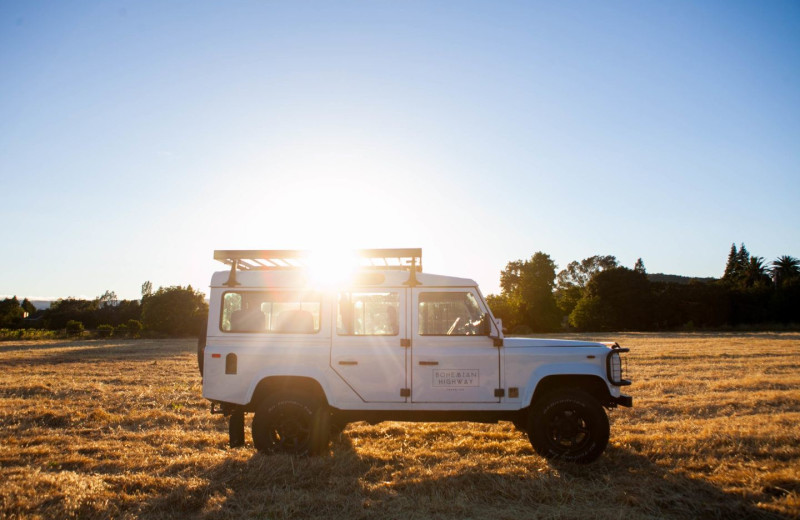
x=429 y=363
x=348 y=362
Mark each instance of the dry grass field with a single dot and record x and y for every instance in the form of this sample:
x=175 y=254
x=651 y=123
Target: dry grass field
x=117 y=429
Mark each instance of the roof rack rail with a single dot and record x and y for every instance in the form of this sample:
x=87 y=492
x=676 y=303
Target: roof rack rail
x=405 y=259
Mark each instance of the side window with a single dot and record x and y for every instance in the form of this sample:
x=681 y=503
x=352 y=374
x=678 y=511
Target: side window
x=271 y=312
x=368 y=314
x=450 y=314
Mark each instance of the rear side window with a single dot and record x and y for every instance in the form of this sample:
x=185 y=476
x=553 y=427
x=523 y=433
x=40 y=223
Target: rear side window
x=368 y=314
x=282 y=312
x=449 y=314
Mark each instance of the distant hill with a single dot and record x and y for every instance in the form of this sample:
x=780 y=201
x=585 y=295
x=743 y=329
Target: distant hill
x=41 y=304
x=675 y=278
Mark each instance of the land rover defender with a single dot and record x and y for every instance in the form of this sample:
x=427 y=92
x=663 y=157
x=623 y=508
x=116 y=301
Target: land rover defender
x=390 y=342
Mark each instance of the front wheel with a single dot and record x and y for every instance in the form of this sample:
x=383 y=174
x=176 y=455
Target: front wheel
x=293 y=424
x=568 y=425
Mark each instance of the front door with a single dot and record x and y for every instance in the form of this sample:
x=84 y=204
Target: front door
x=366 y=348
x=452 y=359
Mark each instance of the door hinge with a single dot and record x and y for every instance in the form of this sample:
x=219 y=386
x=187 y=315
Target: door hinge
x=499 y=392
x=405 y=342
x=405 y=392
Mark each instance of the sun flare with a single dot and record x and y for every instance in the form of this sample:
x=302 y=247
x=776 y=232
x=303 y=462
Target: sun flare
x=331 y=267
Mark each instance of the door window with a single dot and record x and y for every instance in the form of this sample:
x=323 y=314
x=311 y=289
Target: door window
x=289 y=312
x=450 y=314
x=368 y=314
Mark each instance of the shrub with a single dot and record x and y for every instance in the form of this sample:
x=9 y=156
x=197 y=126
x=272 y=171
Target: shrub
x=134 y=328
x=121 y=330
x=105 y=330
x=31 y=334
x=74 y=328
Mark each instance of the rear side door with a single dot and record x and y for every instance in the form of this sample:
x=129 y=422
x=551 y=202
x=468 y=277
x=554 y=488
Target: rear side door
x=453 y=360
x=367 y=349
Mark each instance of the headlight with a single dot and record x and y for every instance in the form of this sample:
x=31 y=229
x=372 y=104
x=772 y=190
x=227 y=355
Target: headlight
x=615 y=367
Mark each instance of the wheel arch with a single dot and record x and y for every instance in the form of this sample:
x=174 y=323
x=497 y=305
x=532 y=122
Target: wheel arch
x=292 y=384
x=589 y=383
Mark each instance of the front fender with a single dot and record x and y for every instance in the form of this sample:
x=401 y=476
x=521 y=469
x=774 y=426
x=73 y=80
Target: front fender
x=560 y=369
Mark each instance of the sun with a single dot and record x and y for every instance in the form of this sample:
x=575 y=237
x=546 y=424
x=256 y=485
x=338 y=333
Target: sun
x=330 y=268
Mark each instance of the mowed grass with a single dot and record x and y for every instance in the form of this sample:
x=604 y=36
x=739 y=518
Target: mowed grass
x=100 y=429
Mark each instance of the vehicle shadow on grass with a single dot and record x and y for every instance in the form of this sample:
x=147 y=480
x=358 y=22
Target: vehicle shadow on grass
x=354 y=484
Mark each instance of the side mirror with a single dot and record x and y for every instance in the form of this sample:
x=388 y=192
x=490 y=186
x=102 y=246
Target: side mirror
x=487 y=330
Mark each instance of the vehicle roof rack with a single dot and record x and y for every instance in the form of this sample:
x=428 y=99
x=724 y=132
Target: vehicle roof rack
x=404 y=259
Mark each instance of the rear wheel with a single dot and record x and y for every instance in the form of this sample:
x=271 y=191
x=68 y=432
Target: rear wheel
x=568 y=425
x=291 y=423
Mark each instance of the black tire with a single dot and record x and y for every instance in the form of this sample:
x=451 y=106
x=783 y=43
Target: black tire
x=291 y=423
x=568 y=425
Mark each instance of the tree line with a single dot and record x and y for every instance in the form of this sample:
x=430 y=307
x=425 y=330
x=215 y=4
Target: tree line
x=599 y=294
x=594 y=294
x=168 y=311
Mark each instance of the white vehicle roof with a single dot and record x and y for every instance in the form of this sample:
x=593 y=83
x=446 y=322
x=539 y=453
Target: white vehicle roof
x=293 y=269
x=304 y=279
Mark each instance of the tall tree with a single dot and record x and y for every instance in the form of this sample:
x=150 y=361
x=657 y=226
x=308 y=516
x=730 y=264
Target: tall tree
x=527 y=286
x=147 y=289
x=739 y=270
x=756 y=272
x=785 y=268
x=731 y=268
x=742 y=260
x=107 y=299
x=639 y=267
x=572 y=280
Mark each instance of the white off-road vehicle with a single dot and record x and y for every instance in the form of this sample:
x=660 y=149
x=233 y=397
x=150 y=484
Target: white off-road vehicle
x=390 y=343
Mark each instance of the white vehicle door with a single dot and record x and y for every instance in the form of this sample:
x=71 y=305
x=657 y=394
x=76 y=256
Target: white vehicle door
x=367 y=347
x=453 y=360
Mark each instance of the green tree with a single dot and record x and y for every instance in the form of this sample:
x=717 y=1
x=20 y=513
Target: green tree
x=28 y=307
x=732 y=267
x=742 y=258
x=107 y=299
x=784 y=269
x=756 y=273
x=63 y=310
x=505 y=309
x=571 y=281
x=639 y=267
x=10 y=313
x=147 y=289
x=615 y=299
x=174 y=311
x=527 y=288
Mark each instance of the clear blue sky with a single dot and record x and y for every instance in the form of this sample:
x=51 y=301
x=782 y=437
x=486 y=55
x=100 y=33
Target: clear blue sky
x=137 y=137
